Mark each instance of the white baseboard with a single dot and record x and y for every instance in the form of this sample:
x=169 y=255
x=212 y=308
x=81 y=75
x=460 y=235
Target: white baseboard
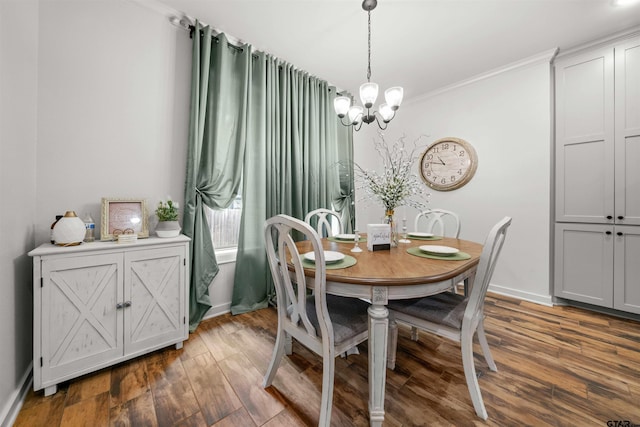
x=12 y=407
x=526 y=296
x=217 y=310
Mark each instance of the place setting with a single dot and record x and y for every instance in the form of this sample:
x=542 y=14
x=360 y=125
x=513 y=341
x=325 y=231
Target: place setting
x=446 y=253
x=345 y=238
x=419 y=235
x=333 y=260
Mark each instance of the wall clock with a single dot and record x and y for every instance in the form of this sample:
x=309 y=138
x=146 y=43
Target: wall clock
x=448 y=163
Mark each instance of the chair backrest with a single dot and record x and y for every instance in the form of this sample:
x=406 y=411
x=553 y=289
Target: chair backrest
x=488 y=259
x=322 y=218
x=291 y=294
x=439 y=221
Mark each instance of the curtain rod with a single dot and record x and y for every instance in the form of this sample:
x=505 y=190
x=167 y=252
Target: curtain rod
x=187 y=23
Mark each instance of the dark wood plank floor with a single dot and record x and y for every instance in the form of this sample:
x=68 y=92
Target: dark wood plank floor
x=557 y=366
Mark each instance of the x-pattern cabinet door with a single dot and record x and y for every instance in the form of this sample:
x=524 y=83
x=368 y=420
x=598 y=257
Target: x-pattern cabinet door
x=155 y=291
x=80 y=323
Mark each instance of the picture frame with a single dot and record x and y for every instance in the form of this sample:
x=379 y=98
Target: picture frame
x=123 y=216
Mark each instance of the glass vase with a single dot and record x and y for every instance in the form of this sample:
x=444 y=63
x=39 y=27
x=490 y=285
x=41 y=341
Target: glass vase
x=388 y=219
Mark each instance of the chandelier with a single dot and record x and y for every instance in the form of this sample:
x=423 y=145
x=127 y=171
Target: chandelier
x=355 y=114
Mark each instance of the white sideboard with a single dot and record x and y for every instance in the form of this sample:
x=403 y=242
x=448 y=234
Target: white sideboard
x=100 y=303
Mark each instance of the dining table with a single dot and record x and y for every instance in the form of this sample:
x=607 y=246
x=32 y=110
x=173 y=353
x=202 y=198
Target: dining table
x=401 y=272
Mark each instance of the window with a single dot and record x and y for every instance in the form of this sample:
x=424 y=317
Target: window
x=225 y=224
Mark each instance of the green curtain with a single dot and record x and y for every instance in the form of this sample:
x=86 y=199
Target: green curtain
x=259 y=121
x=220 y=91
x=291 y=166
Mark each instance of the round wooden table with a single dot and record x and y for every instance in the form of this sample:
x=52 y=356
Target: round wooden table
x=386 y=275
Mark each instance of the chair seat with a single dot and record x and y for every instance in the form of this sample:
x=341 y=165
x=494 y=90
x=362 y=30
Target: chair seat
x=446 y=308
x=348 y=316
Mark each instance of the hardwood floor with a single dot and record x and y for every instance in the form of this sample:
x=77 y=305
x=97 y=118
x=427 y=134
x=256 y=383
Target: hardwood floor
x=557 y=366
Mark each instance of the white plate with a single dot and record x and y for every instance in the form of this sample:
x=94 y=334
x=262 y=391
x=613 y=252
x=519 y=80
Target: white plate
x=420 y=234
x=439 y=250
x=329 y=256
x=345 y=236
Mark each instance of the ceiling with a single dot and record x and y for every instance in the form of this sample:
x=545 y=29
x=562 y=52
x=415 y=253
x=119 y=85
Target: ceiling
x=421 y=45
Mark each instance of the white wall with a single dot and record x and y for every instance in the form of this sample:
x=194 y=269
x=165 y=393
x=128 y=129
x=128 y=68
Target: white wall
x=506 y=117
x=113 y=107
x=18 y=100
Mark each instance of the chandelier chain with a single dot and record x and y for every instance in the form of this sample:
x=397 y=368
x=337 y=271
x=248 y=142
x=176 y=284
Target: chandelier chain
x=369 y=49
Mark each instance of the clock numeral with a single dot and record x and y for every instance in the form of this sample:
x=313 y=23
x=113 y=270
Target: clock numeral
x=443 y=181
x=445 y=146
x=459 y=171
x=461 y=153
x=453 y=178
x=428 y=173
x=429 y=156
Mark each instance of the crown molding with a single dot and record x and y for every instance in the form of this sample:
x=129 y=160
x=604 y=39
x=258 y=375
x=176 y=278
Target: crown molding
x=602 y=42
x=543 y=57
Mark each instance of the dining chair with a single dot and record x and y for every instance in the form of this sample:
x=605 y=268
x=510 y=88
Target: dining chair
x=323 y=220
x=439 y=221
x=455 y=316
x=326 y=324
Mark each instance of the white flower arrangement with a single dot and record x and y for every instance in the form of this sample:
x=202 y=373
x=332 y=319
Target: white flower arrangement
x=167 y=211
x=397 y=185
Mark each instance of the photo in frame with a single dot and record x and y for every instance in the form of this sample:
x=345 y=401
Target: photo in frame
x=123 y=216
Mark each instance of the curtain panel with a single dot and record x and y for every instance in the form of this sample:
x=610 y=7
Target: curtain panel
x=257 y=120
x=292 y=166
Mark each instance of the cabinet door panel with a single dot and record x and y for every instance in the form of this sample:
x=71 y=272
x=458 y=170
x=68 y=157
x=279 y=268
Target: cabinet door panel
x=627 y=269
x=155 y=288
x=584 y=138
x=627 y=145
x=584 y=263
x=80 y=323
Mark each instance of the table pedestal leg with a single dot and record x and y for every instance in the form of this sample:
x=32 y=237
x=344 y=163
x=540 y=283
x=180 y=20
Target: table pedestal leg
x=378 y=336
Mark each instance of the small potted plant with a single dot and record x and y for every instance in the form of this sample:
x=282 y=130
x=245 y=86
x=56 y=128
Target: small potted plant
x=167 y=213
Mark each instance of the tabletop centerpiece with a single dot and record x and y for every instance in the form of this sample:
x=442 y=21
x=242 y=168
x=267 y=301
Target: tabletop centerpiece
x=397 y=185
x=167 y=213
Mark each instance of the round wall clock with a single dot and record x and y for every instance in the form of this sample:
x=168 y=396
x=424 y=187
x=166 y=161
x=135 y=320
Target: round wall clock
x=448 y=163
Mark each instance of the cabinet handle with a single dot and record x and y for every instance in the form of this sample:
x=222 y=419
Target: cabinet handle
x=119 y=306
x=608 y=233
x=609 y=217
x=619 y=233
x=620 y=217
x=127 y=303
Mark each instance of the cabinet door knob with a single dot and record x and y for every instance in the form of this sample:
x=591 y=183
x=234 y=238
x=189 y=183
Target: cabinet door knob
x=619 y=233
x=620 y=217
x=608 y=233
x=119 y=306
x=609 y=217
x=127 y=303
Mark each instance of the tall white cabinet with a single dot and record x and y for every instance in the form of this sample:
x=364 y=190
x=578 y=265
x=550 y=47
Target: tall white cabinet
x=101 y=303
x=597 y=232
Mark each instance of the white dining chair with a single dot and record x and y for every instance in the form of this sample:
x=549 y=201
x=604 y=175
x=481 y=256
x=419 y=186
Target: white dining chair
x=326 y=324
x=455 y=316
x=439 y=222
x=323 y=220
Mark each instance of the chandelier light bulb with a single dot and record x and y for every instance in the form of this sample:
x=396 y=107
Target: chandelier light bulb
x=341 y=104
x=393 y=96
x=355 y=114
x=368 y=94
x=386 y=112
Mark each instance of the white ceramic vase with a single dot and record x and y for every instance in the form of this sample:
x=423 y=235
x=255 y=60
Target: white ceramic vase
x=168 y=229
x=69 y=230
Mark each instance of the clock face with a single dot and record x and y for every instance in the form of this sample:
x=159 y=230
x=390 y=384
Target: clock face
x=448 y=163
